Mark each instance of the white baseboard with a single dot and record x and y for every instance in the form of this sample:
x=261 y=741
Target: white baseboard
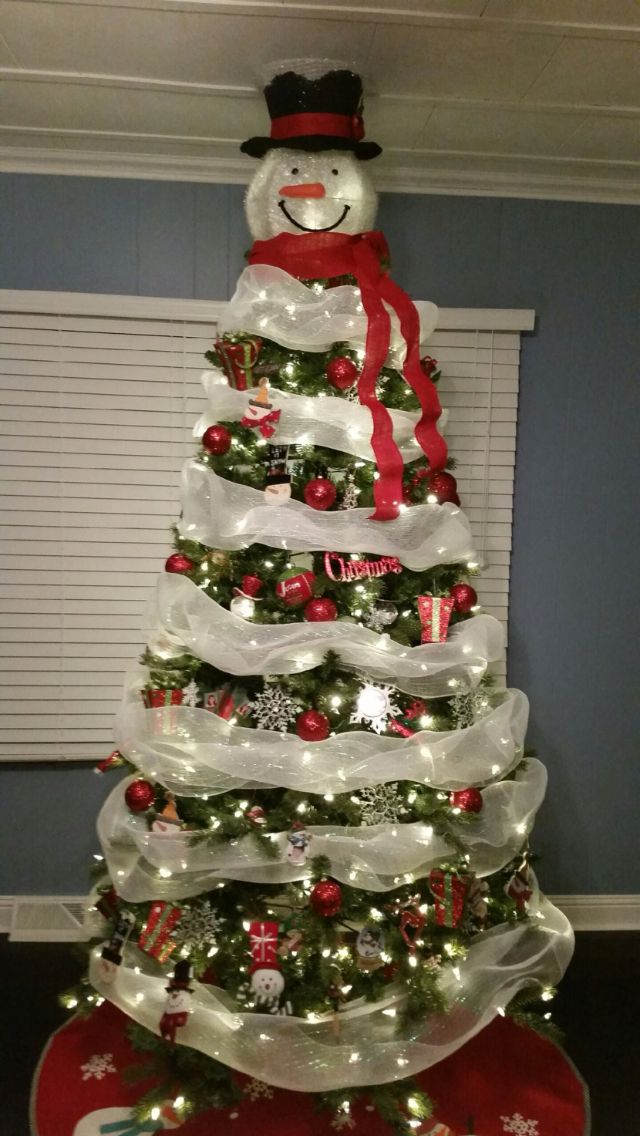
x=58 y=918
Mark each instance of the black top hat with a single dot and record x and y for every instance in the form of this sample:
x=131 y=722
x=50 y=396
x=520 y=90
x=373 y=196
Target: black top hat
x=182 y=977
x=314 y=115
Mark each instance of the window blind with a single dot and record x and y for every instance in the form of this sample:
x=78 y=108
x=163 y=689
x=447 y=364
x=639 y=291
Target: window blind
x=99 y=399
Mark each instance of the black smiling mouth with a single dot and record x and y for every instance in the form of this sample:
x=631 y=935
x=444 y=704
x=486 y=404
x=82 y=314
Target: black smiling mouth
x=305 y=228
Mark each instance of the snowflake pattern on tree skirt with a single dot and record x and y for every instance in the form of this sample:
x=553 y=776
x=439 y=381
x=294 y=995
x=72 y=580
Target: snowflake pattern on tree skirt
x=98 y=1065
x=343 y=1120
x=199 y=927
x=258 y=1090
x=518 y=1126
x=381 y=804
x=273 y=709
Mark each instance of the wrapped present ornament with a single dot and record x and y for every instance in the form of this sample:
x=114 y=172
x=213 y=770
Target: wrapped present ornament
x=155 y=938
x=238 y=357
x=450 y=891
x=435 y=613
x=161 y=699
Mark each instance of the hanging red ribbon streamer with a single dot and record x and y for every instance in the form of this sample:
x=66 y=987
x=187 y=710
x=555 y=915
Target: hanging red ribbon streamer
x=365 y=255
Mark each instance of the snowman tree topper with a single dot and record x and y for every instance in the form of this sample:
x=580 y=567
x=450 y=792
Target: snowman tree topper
x=310 y=208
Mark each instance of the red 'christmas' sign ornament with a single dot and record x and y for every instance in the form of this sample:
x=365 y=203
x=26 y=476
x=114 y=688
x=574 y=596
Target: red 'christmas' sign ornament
x=339 y=569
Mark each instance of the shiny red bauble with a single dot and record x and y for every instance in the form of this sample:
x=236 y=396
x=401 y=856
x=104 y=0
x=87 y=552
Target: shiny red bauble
x=312 y=726
x=217 y=440
x=445 y=487
x=467 y=800
x=139 y=795
x=295 y=587
x=251 y=585
x=464 y=598
x=341 y=372
x=320 y=493
x=326 y=898
x=178 y=562
x=320 y=610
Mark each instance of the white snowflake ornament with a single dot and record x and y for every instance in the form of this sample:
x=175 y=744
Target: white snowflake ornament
x=381 y=804
x=518 y=1126
x=190 y=694
x=375 y=706
x=258 y=1090
x=98 y=1065
x=199 y=927
x=273 y=708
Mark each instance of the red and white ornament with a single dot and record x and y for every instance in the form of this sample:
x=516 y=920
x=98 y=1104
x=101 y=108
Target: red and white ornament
x=267 y=980
x=464 y=598
x=467 y=800
x=178 y=562
x=217 y=439
x=139 y=795
x=320 y=493
x=326 y=898
x=295 y=587
x=260 y=413
x=435 y=613
x=341 y=570
x=341 y=372
x=178 y=1004
x=320 y=610
x=243 y=602
x=256 y=815
x=450 y=891
x=312 y=726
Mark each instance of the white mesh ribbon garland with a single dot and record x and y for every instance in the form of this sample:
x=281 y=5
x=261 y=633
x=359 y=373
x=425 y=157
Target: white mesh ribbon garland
x=226 y=515
x=329 y=421
x=217 y=636
x=272 y=304
x=499 y=963
x=146 y=865
x=183 y=746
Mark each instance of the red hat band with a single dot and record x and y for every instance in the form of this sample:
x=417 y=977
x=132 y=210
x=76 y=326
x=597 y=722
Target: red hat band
x=348 y=126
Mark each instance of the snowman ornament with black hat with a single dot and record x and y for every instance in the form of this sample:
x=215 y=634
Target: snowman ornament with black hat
x=178 y=1003
x=310 y=207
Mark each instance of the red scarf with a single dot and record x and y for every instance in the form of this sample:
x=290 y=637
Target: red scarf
x=320 y=255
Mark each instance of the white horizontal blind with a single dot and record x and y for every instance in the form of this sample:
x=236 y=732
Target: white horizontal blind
x=100 y=395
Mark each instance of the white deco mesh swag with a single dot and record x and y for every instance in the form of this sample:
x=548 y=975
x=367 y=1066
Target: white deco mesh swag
x=190 y=751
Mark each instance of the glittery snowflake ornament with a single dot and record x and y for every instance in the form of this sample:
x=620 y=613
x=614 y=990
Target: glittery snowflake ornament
x=273 y=708
x=98 y=1065
x=191 y=694
x=258 y=1090
x=518 y=1126
x=375 y=706
x=381 y=804
x=199 y=927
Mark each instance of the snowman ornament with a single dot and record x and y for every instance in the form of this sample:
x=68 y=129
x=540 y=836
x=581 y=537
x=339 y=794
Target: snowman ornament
x=178 y=1004
x=310 y=208
x=266 y=977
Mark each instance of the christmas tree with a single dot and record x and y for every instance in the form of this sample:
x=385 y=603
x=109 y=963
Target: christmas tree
x=317 y=874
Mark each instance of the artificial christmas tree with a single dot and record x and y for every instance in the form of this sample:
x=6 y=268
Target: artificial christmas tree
x=321 y=853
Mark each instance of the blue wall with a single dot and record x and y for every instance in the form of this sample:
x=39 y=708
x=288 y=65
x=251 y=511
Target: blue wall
x=574 y=626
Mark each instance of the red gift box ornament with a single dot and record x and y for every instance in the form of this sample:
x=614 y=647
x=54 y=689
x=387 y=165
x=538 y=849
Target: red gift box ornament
x=155 y=698
x=435 y=613
x=450 y=891
x=155 y=937
x=238 y=359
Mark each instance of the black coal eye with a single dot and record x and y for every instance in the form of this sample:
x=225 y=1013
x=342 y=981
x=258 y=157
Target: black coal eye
x=295 y=170
x=335 y=172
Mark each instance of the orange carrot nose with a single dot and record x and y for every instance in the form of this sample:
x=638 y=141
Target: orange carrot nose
x=304 y=189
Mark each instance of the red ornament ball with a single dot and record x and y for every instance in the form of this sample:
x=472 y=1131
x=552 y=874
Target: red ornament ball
x=445 y=487
x=468 y=800
x=341 y=372
x=217 y=440
x=251 y=585
x=320 y=610
x=429 y=365
x=326 y=898
x=178 y=562
x=295 y=587
x=139 y=795
x=320 y=493
x=312 y=726
x=464 y=597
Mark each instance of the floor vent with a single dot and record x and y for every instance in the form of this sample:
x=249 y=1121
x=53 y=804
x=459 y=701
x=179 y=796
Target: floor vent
x=47 y=919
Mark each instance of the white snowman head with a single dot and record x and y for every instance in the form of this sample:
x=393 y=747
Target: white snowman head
x=312 y=178
x=267 y=982
x=297 y=192
x=178 y=1001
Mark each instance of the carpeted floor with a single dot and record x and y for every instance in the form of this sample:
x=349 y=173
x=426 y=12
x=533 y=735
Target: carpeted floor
x=598 y=1007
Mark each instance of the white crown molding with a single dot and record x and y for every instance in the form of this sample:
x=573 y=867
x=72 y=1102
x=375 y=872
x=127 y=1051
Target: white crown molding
x=538 y=179
x=585 y=913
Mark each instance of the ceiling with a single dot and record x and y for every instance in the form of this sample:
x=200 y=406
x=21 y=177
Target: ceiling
x=536 y=98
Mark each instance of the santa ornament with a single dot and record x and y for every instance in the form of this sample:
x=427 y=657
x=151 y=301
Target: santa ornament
x=178 y=1004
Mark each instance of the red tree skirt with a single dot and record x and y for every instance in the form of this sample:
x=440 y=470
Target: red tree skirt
x=506 y=1080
